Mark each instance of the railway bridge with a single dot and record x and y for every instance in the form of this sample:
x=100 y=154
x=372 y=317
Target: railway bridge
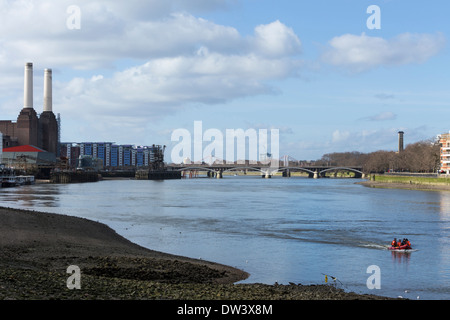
x=217 y=170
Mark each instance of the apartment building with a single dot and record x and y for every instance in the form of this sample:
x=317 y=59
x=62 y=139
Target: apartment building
x=444 y=140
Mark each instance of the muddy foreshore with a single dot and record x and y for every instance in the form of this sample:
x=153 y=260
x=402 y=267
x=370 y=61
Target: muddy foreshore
x=37 y=249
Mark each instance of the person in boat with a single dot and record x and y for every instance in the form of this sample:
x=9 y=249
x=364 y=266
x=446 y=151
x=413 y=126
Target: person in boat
x=407 y=242
x=399 y=243
x=394 y=242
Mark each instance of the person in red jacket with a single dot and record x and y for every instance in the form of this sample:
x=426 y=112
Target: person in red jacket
x=394 y=242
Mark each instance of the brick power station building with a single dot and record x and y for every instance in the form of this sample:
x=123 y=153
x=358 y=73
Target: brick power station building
x=32 y=131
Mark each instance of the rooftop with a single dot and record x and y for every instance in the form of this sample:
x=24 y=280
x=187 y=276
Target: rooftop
x=26 y=148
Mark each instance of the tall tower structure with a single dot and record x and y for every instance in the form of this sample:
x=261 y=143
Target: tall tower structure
x=27 y=121
x=29 y=129
x=47 y=121
x=400 y=141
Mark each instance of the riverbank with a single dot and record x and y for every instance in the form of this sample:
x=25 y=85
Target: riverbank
x=408 y=183
x=37 y=248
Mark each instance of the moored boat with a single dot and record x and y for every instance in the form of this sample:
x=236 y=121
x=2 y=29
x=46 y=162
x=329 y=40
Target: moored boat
x=7 y=178
x=25 y=180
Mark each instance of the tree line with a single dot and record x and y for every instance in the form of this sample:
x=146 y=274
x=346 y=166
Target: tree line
x=420 y=157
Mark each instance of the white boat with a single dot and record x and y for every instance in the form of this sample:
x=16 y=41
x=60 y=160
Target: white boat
x=25 y=180
x=8 y=178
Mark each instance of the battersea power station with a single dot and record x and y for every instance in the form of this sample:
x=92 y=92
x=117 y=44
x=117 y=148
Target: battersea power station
x=32 y=132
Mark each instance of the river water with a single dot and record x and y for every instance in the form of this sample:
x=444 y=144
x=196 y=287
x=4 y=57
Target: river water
x=278 y=230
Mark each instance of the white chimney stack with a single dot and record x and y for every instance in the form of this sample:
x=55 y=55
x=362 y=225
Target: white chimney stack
x=28 y=86
x=48 y=90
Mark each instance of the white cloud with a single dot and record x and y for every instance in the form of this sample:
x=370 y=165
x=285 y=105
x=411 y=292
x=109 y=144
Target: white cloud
x=382 y=116
x=151 y=88
x=145 y=59
x=276 y=39
x=361 y=53
x=112 y=30
x=339 y=136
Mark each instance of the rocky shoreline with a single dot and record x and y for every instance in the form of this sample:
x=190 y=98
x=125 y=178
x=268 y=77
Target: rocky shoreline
x=38 y=248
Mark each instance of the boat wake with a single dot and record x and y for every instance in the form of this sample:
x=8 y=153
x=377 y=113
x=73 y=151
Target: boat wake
x=376 y=246
x=385 y=247
x=404 y=250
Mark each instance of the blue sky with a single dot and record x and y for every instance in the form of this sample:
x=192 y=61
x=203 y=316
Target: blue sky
x=134 y=71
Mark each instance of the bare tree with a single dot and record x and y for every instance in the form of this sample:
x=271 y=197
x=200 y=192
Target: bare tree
x=422 y=156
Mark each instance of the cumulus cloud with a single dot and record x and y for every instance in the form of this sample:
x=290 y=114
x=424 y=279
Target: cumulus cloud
x=276 y=39
x=204 y=77
x=38 y=31
x=146 y=57
x=361 y=53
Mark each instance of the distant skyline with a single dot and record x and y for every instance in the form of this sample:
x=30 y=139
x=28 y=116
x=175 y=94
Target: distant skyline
x=133 y=71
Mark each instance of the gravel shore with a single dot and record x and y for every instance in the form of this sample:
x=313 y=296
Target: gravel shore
x=37 y=249
x=405 y=186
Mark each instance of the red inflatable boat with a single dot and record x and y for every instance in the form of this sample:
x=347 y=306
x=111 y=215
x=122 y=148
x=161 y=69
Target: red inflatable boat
x=403 y=247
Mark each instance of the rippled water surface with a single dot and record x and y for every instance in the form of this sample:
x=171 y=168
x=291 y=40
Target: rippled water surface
x=278 y=230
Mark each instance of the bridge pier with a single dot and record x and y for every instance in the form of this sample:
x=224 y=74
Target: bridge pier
x=219 y=174
x=266 y=174
x=316 y=175
x=286 y=173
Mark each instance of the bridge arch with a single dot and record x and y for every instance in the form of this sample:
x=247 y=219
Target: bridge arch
x=312 y=171
x=221 y=169
x=195 y=168
x=296 y=169
x=342 y=169
x=245 y=168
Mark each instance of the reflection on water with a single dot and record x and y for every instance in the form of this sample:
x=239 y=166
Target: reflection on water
x=278 y=230
x=401 y=257
x=32 y=196
x=443 y=241
x=444 y=205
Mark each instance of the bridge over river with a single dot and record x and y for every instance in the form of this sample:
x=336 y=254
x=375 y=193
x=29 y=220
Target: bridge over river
x=217 y=170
